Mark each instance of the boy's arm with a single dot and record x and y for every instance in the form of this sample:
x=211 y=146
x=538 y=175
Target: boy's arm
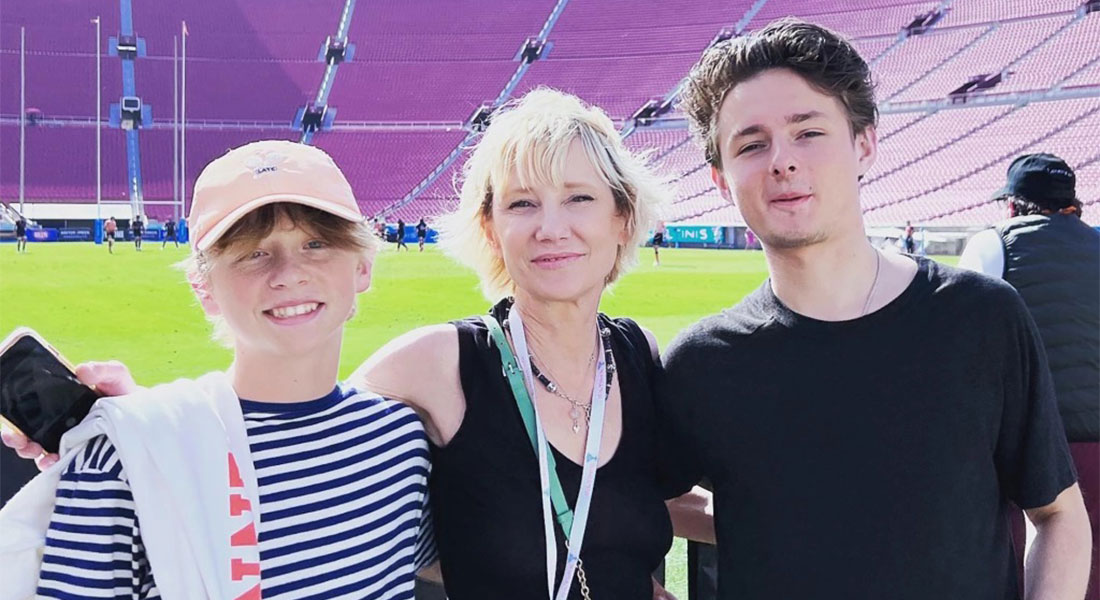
x=93 y=545
x=427 y=556
x=1058 y=563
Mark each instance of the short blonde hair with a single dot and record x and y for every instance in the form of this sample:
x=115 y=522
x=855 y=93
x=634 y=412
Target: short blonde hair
x=531 y=137
x=258 y=224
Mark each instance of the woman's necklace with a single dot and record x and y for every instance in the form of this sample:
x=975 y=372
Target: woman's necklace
x=579 y=408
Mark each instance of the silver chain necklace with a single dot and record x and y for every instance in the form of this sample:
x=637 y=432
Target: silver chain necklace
x=874 y=284
x=578 y=408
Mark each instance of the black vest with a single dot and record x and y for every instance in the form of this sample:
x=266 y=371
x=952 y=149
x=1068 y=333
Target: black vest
x=1054 y=262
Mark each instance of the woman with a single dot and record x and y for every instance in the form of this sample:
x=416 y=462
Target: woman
x=553 y=208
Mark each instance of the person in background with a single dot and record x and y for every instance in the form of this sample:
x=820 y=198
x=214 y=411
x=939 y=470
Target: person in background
x=21 y=234
x=110 y=226
x=137 y=229
x=908 y=242
x=401 y=235
x=421 y=233
x=658 y=241
x=1052 y=258
x=169 y=234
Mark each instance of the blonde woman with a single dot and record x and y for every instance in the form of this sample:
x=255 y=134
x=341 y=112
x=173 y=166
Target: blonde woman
x=552 y=210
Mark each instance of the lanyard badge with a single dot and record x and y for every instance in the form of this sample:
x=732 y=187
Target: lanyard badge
x=573 y=523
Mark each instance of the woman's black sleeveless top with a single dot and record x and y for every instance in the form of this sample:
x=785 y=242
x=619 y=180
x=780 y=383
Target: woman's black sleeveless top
x=486 y=496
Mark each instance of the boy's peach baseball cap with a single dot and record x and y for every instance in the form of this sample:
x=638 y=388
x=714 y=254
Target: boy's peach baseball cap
x=265 y=172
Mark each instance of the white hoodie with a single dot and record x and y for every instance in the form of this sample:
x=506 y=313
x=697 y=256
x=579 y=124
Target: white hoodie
x=197 y=512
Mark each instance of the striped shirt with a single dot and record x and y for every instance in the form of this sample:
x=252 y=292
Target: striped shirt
x=342 y=501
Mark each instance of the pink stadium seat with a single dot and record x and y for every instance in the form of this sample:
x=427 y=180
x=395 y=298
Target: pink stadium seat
x=435 y=61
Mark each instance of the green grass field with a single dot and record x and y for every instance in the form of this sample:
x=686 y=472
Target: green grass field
x=135 y=307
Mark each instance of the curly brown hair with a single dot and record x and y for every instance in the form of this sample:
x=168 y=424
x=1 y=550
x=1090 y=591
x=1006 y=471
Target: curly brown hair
x=822 y=57
x=1022 y=206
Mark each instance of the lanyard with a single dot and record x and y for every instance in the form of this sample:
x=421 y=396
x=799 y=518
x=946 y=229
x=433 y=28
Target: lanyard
x=521 y=380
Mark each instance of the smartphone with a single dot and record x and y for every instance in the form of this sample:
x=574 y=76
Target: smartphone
x=40 y=395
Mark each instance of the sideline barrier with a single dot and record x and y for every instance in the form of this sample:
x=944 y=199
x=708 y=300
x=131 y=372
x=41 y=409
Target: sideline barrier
x=410 y=234
x=44 y=234
x=74 y=234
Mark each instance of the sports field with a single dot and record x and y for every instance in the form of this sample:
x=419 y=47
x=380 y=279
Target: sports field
x=135 y=307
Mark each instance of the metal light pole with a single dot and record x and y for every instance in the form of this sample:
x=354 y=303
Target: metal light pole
x=22 y=113
x=176 y=198
x=183 y=117
x=98 y=128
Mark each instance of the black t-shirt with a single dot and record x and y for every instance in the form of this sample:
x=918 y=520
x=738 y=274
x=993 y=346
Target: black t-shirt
x=485 y=486
x=20 y=228
x=871 y=458
x=421 y=229
x=137 y=227
x=170 y=229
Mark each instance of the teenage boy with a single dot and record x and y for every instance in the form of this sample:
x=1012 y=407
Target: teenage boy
x=841 y=466
x=268 y=477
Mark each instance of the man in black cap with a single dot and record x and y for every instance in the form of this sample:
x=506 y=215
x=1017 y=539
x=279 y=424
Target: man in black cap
x=1052 y=258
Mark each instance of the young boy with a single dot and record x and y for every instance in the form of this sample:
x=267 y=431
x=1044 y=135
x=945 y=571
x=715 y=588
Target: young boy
x=268 y=477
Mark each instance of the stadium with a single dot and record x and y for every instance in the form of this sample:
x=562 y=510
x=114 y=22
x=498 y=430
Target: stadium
x=112 y=108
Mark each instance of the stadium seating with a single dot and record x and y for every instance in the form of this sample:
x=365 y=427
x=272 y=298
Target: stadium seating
x=417 y=91
x=619 y=54
x=421 y=68
x=60 y=164
x=434 y=60
x=859 y=18
x=986 y=56
x=384 y=166
x=240 y=30
x=897 y=71
x=46 y=70
x=967 y=12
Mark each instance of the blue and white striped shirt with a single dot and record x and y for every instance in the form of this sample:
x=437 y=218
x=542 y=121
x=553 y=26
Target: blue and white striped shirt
x=343 y=486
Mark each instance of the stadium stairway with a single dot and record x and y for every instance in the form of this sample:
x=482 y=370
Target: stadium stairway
x=129 y=89
x=468 y=141
x=974 y=42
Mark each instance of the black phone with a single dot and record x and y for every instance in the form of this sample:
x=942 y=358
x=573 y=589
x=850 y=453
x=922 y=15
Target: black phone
x=40 y=395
